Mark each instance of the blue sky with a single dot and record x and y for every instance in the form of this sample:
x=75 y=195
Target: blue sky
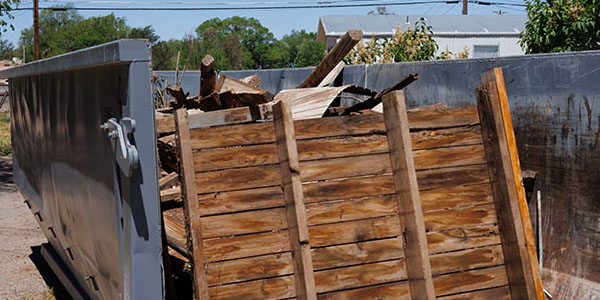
x=175 y=24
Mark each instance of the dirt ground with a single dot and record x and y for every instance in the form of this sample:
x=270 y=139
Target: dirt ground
x=23 y=272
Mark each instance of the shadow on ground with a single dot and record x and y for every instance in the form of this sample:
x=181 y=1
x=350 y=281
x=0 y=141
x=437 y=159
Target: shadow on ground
x=59 y=291
x=6 y=174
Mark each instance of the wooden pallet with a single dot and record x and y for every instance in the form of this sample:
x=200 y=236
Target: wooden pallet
x=400 y=205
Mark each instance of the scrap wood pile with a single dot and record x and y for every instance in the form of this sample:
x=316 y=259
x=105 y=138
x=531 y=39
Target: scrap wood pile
x=284 y=200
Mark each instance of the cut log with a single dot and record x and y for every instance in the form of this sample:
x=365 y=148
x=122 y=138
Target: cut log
x=233 y=99
x=333 y=57
x=253 y=80
x=208 y=77
x=167 y=153
x=210 y=102
x=178 y=94
x=164 y=123
x=227 y=83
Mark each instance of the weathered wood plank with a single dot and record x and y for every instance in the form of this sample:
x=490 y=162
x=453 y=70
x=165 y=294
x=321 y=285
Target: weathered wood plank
x=230 y=202
x=507 y=186
x=466 y=260
x=261 y=133
x=499 y=293
x=272 y=288
x=333 y=57
x=246 y=245
x=472 y=280
x=354 y=231
x=440 y=185
x=339 y=211
x=190 y=206
x=175 y=230
x=294 y=201
x=244 y=223
x=230 y=116
x=345 y=146
x=168 y=181
x=462 y=238
x=444 y=285
x=357 y=253
x=440 y=220
x=356 y=276
x=418 y=267
x=345 y=167
x=170 y=194
x=252 y=268
x=456 y=196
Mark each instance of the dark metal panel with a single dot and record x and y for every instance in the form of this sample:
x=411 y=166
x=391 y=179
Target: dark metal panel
x=107 y=225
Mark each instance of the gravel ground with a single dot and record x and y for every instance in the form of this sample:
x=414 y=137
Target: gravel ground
x=23 y=272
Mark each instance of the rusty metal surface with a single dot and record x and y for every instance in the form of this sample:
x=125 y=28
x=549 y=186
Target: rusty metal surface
x=104 y=225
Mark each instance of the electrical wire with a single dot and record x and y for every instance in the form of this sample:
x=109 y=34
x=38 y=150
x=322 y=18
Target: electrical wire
x=240 y=7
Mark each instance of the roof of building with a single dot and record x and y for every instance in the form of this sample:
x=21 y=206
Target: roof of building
x=457 y=24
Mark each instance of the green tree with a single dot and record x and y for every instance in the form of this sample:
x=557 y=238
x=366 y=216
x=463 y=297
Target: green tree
x=146 y=32
x=7 y=49
x=6 y=6
x=303 y=48
x=309 y=54
x=238 y=38
x=64 y=30
x=561 y=25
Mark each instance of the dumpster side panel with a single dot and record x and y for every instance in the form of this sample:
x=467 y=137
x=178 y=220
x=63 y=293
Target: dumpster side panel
x=105 y=225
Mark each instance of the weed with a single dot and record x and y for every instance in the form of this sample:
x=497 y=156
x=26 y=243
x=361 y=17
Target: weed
x=5 y=148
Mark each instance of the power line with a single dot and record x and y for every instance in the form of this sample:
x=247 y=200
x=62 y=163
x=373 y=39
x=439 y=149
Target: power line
x=241 y=7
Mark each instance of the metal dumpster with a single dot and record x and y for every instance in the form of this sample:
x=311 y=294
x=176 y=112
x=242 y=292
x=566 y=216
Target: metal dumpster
x=84 y=154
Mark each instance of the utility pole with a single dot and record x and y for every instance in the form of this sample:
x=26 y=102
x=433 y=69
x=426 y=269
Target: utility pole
x=36 y=30
x=465 y=6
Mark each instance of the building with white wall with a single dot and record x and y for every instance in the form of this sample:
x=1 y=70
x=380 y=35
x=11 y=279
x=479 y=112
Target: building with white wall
x=484 y=36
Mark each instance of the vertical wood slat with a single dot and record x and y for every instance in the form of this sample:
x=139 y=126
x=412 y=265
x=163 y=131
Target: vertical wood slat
x=507 y=187
x=293 y=196
x=190 y=205
x=418 y=267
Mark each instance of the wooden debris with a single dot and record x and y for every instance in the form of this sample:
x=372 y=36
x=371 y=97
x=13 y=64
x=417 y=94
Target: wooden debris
x=333 y=57
x=330 y=78
x=178 y=94
x=253 y=80
x=170 y=194
x=233 y=99
x=208 y=77
x=375 y=100
x=168 y=181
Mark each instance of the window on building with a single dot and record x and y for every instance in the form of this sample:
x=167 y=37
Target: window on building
x=485 y=51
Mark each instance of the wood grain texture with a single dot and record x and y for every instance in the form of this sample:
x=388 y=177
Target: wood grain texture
x=244 y=223
x=246 y=245
x=345 y=167
x=511 y=206
x=251 y=268
x=333 y=57
x=361 y=275
x=466 y=260
x=271 y=288
x=244 y=200
x=460 y=217
x=418 y=267
x=339 y=211
x=456 y=196
x=499 y=293
x=357 y=253
x=354 y=231
x=462 y=238
x=168 y=181
x=444 y=285
x=261 y=133
x=345 y=146
x=190 y=206
x=295 y=211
